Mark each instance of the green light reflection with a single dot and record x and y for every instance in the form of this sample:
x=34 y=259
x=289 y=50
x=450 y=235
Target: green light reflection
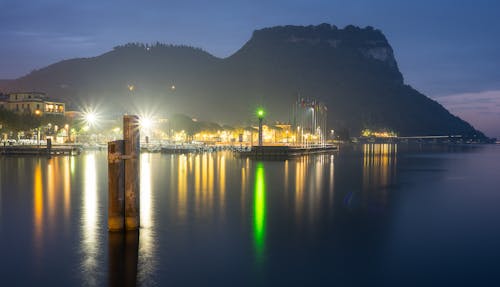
x=259 y=210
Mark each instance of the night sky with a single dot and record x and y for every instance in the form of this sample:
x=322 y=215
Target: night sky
x=447 y=49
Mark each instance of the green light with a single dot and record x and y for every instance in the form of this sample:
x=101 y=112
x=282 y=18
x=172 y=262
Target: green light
x=259 y=210
x=260 y=113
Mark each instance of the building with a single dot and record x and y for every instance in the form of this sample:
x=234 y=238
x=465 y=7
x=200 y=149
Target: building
x=32 y=103
x=3 y=101
x=309 y=121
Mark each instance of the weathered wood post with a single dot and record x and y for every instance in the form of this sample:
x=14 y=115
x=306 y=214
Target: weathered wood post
x=132 y=172
x=116 y=182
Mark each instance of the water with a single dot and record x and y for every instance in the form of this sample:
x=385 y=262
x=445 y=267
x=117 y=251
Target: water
x=377 y=215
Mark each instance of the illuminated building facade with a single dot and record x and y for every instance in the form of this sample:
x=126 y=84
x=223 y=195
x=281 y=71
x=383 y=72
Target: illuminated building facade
x=309 y=121
x=32 y=103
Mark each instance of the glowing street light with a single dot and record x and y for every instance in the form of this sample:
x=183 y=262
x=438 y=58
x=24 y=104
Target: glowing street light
x=260 y=115
x=146 y=122
x=90 y=118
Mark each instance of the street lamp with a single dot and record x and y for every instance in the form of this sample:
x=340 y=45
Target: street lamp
x=68 y=138
x=260 y=115
x=38 y=113
x=90 y=118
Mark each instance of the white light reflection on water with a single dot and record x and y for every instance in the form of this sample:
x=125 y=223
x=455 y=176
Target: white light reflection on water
x=146 y=234
x=90 y=227
x=332 y=182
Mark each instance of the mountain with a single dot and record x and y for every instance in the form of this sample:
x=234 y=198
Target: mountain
x=352 y=70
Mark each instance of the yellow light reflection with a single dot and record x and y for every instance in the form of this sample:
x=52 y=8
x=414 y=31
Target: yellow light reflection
x=211 y=181
x=204 y=174
x=204 y=185
x=182 y=187
x=379 y=162
x=190 y=164
x=51 y=192
x=300 y=181
x=222 y=183
x=286 y=178
x=89 y=219
x=72 y=164
x=259 y=211
x=66 y=187
x=244 y=176
x=38 y=204
x=197 y=180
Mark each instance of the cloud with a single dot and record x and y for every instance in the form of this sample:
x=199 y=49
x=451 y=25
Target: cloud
x=481 y=109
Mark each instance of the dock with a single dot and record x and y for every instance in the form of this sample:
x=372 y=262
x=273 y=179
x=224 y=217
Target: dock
x=14 y=150
x=283 y=151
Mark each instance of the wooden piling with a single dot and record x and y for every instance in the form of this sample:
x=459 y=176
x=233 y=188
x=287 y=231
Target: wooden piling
x=132 y=172
x=123 y=257
x=49 y=146
x=116 y=181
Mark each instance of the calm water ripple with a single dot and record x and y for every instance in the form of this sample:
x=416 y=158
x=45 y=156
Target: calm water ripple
x=377 y=214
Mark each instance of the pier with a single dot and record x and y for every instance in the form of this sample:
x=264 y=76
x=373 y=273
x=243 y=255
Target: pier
x=52 y=150
x=283 y=151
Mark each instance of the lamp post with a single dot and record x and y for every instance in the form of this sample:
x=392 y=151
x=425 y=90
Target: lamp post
x=38 y=113
x=68 y=138
x=260 y=115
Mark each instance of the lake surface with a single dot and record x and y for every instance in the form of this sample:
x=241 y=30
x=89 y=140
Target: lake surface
x=368 y=215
